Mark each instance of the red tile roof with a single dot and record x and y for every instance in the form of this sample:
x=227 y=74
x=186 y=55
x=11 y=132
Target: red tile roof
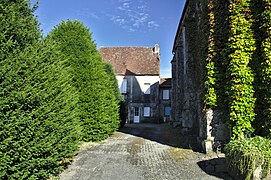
x=132 y=60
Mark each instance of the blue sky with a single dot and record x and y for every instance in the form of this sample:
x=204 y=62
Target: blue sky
x=120 y=22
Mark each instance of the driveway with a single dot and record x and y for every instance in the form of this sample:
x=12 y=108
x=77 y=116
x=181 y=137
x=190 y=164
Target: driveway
x=145 y=151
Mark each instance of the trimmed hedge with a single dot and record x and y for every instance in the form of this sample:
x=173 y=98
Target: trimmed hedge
x=113 y=80
x=97 y=97
x=53 y=94
x=244 y=156
x=38 y=127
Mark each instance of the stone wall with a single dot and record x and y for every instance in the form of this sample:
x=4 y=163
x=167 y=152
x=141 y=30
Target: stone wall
x=188 y=71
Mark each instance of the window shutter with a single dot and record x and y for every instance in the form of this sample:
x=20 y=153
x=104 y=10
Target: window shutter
x=123 y=88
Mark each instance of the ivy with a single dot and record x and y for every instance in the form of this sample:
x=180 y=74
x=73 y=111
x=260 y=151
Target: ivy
x=210 y=96
x=241 y=47
x=265 y=65
x=216 y=61
x=230 y=77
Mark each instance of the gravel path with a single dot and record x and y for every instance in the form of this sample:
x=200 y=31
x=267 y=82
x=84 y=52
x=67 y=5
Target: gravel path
x=144 y=151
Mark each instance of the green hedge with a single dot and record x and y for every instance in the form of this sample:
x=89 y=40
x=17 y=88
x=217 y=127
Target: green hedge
x=98 y=106
x=53 y=94
x=245 y=155
x=38 y=127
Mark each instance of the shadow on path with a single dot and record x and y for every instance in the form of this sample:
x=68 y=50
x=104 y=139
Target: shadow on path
x=216 y=167
x=163 y=134
x=213 y=164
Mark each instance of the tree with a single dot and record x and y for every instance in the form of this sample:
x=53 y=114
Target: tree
x=98 y=106
x=18 y=26
x=38 y=127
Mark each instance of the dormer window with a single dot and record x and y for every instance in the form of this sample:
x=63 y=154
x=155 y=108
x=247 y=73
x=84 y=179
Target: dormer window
x=123 y=87
x=147 y=88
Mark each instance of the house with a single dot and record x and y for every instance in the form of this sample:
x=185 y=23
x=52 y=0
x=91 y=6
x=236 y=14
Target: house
x=165 y=99
x=137 y=70
x=190 y=51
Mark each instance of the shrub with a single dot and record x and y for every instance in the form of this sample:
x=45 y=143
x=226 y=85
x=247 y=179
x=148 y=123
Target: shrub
x=38 y=123
x=245 y=155
x=53 y=93
x=98 y=106
x=114 y=82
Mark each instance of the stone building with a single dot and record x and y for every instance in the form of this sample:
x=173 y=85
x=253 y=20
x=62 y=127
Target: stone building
x=190 y=51
x=137 y=70
x=165 y=99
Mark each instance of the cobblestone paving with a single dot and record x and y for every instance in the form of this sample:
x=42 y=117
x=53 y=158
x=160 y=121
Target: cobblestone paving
x=136 y=154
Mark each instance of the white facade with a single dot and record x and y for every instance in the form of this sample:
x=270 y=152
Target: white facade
x=142 y=95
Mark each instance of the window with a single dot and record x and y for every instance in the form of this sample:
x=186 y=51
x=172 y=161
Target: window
x=136 y=111
x=167 y=111
x=165 y=94
x=147 y=111
x=123 y=87
x=147 y=88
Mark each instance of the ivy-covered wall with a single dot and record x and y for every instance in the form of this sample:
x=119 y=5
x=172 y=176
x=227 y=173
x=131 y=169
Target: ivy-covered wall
x=222 y=57
x=238 y=77
x=262 y=66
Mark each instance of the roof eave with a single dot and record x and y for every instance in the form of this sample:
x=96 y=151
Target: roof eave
x=179 y=26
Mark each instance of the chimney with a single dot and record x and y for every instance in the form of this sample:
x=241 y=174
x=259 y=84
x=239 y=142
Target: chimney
x=156 y=49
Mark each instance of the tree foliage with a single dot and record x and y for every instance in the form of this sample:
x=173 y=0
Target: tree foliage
x=54 y=92
x=98 y=106
x=38 y=125
x=18 y=26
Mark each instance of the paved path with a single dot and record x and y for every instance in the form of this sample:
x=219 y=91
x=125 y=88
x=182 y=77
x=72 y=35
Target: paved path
x=144 y=151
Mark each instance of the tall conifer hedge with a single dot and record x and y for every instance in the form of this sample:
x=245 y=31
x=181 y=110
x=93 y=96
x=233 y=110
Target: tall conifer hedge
x=53 y=93
x=98 y=104
x=37 y=120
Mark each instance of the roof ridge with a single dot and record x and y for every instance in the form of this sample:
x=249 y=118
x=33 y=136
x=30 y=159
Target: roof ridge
x=125 y=47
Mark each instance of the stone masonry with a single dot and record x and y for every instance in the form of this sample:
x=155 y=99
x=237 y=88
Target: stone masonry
x=188 y=75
